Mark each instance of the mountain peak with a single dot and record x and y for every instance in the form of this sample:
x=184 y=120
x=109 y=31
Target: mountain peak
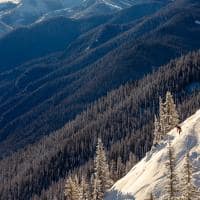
x=149 y=175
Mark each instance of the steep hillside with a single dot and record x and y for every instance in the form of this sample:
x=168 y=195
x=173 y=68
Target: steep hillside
x=150 y=174
x=60 y=87
x=57 y=88
x=56 y=34
x=43 y=38
x=28 y=90
x=123 y=119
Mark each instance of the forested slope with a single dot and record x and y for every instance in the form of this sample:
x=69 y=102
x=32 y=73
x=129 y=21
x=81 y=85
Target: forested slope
x=123 y=119
x=41 y=96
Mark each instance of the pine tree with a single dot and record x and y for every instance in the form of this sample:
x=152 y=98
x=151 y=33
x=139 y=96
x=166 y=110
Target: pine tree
x=157 y=131
x=72 y=191
x=120 y=168
x=188 y=189
x=171 y=114
x=102 y=180
x=172 y=186
x=131 y=162
x=84 y=189
x=162 y=118
x=168 y=117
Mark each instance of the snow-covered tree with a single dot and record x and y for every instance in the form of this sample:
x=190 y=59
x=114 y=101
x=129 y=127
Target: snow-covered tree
x=162 y=117
x=101 y=181
x=171 y=114
x=157 y=131
x=84 y=189
x=188 y=189
x=72 y=190
x=168 y=118
x=172 y=185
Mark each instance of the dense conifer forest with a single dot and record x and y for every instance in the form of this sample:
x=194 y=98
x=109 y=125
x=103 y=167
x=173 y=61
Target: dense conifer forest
x=102 y=53
x=83 y=100
x=123 y=119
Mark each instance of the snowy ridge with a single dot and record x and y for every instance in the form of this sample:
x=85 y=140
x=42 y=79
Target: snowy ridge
x=149 y=175
x=17 y=13
x=12 y=1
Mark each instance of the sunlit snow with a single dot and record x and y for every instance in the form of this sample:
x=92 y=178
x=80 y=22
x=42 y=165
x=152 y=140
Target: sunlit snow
x=150 y=173
x=13 y=1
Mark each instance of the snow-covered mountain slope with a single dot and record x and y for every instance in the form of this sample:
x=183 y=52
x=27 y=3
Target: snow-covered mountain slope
x=149 y=175
x=25 y=12
x=6 y=1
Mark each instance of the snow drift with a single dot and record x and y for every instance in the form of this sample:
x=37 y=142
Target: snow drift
x=149 y=175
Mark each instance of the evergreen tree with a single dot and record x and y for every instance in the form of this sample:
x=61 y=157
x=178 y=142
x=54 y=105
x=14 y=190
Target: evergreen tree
x=72 y=191
x=171 y=114
x=102 y=180
x=157 y=131
x=172 y=186
x=120 y=168
x=188 y=189
x=131 y=162
x=162 y=117
x=84 y=189
x=168 y=118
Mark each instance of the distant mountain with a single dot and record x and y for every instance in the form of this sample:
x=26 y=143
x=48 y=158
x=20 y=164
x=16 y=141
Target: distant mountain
x=43 y=38
x=58 y=33
x=26 y=12
x=60 y=86
x=150 y=174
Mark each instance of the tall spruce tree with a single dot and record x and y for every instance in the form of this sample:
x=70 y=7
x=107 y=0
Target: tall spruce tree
x=84 y=189
x=157 y=131
x=171 y=114
x=188 y=189
x=102 y=181
x=72 y=190
x=162 y=117
x=172 y=186
x=168 y=118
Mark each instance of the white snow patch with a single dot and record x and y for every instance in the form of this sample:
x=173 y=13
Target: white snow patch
x=197 y=22
x=12 y=1
x=150 y=173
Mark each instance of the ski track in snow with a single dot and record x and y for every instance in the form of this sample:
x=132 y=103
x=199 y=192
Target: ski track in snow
x=150 y=173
